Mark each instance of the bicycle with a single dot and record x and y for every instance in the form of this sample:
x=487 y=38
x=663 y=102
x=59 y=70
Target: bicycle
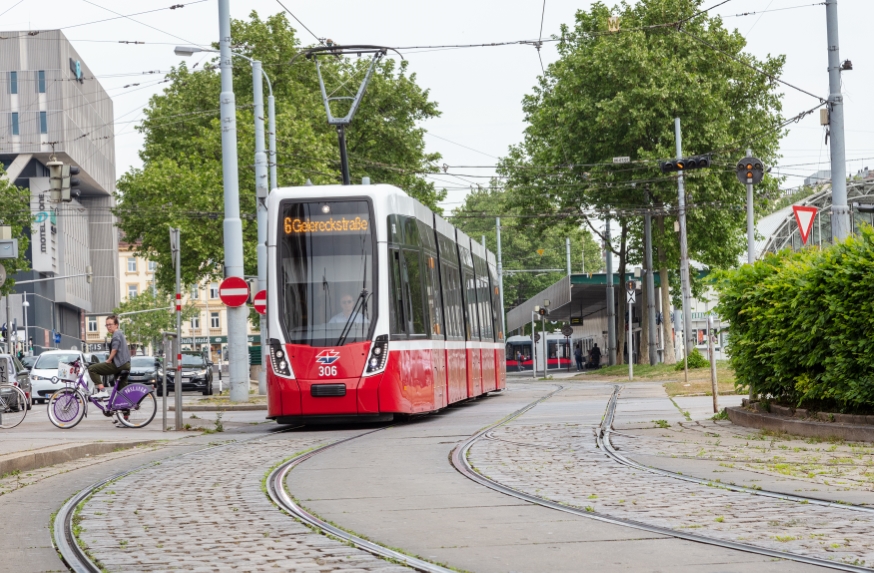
x=13 y=406
x=134 y=405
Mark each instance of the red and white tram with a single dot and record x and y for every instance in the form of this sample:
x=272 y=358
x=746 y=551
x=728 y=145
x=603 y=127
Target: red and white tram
x=376 y=306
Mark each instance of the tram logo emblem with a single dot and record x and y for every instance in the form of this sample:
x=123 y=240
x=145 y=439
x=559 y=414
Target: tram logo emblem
x=327 y=357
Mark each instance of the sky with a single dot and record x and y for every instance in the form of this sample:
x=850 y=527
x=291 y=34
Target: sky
x=478 y=90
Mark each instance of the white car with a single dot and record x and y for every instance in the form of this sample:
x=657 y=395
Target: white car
x=44 y=374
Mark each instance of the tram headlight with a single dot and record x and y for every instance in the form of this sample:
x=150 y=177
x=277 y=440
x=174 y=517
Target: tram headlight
x=278 y=360
x=378 y=355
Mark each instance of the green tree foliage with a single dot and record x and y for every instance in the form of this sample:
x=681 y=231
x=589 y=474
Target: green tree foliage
x=146 y=327
x=520 y=241
x=802 y=324
x=180 y=183
x=15 y=212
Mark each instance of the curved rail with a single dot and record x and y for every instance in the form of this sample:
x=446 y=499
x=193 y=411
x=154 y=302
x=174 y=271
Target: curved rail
x=460 y=462
x=65 y=540
x=278 y=494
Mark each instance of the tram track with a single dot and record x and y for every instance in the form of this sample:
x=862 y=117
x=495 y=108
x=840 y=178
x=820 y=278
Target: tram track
x=460 y=461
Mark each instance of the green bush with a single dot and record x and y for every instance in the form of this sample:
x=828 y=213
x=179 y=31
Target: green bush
x=802 y=324
x=695 y=361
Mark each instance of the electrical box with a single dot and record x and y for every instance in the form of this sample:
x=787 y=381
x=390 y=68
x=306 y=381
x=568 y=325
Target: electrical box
x=8 y=248
x=823 y=117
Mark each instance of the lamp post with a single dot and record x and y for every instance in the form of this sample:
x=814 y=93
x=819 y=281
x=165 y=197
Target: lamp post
x=261 y=178
x=25 y=304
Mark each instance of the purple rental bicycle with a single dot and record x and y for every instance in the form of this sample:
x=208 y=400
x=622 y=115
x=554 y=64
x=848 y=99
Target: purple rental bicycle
x=134 y=405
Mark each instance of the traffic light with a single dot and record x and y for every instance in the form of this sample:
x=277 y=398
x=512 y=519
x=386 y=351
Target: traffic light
x=750 y=170
x=69 y=183
x=56 y=179
x=685 y=164
x=542 y=311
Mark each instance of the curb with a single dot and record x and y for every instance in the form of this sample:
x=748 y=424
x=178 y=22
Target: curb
x=31 y=460
x=849 y=432
x=220 y=408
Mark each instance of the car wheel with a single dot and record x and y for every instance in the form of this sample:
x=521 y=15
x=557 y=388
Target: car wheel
x=208 y=390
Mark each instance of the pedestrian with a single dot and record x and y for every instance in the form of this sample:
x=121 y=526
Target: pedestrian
x=578 y=355
x=519 y=360
x=596 y=356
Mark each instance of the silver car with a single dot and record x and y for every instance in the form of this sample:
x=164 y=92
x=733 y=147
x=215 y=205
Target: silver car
x=44 y=374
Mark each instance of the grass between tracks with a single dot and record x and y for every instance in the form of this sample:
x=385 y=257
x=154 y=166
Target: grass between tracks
x=674 y=382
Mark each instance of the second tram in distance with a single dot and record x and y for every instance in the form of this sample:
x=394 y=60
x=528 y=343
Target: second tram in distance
x=376 y=306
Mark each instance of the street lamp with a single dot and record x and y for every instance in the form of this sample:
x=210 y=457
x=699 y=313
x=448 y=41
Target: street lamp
x=261 y=178
x=25 y=304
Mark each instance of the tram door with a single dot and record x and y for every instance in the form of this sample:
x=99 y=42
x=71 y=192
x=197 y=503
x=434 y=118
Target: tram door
x=471 y=322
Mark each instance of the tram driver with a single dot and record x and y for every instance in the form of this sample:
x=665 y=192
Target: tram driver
x=347 y=304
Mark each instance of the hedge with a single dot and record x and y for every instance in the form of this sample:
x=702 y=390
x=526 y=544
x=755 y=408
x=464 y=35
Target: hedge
x=802 y=324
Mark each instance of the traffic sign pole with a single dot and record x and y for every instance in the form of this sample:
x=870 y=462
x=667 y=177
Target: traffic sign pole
x=177 y=385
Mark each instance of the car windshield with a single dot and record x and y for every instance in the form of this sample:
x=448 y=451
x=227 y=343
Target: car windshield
x=190 y=360
x=142 y=362
x=326 y=272
x=29 y=361
x=50 y=361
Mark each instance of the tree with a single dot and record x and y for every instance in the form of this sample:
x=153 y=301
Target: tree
x=146 y=327
x=617 y=94
x=521 y=240
x=14 y=212
x=180 y=183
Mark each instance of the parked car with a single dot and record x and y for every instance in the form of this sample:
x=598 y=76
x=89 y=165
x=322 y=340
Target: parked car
x=28 y=362
x=44 y=374
x=145 y=369
x=196 y=375
x=12 y=371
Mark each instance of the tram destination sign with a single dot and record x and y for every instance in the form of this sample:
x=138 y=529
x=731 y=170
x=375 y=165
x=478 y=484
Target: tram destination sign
x=313 y=225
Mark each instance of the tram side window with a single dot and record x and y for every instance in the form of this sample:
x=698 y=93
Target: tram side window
x=470 y=298
x=496 y=306
x=452 y=301
x=434 y=296
x=413 y=278
x=484 y=301
x=397 y=317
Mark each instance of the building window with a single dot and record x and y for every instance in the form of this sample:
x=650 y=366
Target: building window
x=195 y=322
x=132 y=291
x=214 y=321
x=92 y=324
x=131 y=265
x=213 y=290
x=13 y=82
x=15 y=123
x=152 y=266
x=43 y=122
x=195 y=292
x=41 y=81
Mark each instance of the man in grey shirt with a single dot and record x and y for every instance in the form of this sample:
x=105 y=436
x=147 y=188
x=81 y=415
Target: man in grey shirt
x=119 y=357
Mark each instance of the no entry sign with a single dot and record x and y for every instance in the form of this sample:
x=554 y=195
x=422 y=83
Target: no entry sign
x=260 y=302
x=234 y=291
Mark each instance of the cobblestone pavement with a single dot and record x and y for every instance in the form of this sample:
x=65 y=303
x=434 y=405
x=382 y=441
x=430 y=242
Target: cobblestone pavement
x=208 y=511
x=848 y=465
x=561 y=462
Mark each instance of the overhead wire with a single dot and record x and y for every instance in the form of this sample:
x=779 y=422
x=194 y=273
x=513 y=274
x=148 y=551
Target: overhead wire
x=143 y=23
x=319 y=40
x=11 y=7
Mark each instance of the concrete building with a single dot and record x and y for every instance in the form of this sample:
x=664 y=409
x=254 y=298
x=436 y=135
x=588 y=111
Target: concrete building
x=51 y=102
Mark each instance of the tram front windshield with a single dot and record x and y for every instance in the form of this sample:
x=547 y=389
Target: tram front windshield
x=326 y=272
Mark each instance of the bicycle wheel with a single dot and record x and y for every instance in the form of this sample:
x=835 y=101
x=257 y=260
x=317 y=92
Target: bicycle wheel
x=140 y=415
x=13 y=406
x=66 y=408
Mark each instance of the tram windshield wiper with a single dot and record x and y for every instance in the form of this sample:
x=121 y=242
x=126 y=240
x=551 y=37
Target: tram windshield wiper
x=359 y=304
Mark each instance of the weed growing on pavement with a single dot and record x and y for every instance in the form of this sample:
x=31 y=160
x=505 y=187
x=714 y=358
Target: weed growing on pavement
x=590 y=509
x=661 y=423
x=719 y=519
x=682 y=411
x=721 y=415
x=785 y=538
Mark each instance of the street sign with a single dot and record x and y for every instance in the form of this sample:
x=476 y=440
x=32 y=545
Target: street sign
x=567 y=330
x=536 y=337
x=234 y=291
x=2 y=275
x=541 y=251
x=631 y=297
x=621 y=160
x=57 y=338
x=804 y=216
x=260 y=302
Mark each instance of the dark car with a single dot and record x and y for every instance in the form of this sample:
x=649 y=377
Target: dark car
x=13 y=372
x=196 y=375
x=145 y=369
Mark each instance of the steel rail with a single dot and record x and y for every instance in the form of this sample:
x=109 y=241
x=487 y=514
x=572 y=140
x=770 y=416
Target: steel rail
x=280 y=496
x=459 y=460
x=65 y=542
x=604 y=443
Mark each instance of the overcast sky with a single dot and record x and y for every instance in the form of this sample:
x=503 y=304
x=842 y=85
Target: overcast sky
x=478 y=90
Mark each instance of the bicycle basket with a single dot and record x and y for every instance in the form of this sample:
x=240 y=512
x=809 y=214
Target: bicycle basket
x=68 y=372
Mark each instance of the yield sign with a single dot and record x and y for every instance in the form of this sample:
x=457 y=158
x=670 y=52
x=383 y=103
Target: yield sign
x=260 y=302
x=804 y=216
x=234 y=291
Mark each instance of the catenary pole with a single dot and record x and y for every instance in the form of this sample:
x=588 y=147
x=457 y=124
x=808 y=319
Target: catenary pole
x=751 y=223
x=533 y=348
x=261 y=191
x=684 y=246
x=567 y=246
x=611 y=306
x=630 y=336
x=232 y=225
x=713 y=384
x=177 y=386
x=840 y=210
x=650 y=288
x=500 y=271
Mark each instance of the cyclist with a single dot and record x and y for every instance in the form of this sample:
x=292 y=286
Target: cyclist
x=119 y=358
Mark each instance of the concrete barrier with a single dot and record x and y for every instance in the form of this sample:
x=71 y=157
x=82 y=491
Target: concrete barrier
x=807 y=428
